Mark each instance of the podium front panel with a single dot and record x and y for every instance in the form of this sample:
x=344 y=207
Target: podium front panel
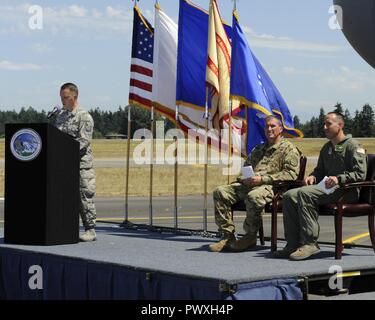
x=33 y=213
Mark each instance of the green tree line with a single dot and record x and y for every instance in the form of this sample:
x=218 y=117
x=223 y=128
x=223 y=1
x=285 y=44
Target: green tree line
x=105 y=122
x=361 y=124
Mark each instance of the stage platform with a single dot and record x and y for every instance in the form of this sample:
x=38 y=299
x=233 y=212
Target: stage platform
x=139 y=264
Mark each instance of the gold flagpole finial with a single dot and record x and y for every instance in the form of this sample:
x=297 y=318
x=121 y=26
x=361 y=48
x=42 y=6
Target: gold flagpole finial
x=157 y=5
x=135 y=2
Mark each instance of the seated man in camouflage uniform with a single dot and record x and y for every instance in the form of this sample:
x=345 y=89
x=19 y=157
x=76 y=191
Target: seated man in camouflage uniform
x=343 y=160
x=277 y=159
x=79 y=124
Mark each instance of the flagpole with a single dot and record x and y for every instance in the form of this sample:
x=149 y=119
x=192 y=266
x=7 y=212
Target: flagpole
x=230 y=138
x=230 y=144
x=175 y=163
x=176 y=173
x=205 y=166
x=152 y=154
x=230 y=114
x=126 y=222
x=247 y=129
x=135 y=2
x=234 y=5
x=151 y=167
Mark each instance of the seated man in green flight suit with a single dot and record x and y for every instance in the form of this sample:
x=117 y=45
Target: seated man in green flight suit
x=341 y=160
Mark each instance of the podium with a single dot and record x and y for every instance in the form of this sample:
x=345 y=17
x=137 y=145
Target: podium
x=41 y=185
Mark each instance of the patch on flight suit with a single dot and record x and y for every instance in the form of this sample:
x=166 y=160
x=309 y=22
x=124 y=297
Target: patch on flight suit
x=339 y=148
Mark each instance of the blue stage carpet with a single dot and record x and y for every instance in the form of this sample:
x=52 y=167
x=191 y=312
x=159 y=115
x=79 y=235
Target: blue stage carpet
x=136 y=264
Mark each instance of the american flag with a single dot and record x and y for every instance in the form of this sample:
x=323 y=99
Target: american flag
x=140 y=91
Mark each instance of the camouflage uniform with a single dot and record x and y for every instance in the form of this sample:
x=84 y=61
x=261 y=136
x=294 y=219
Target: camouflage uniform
x=272 y=162
x=347 y=161
x=80 y=125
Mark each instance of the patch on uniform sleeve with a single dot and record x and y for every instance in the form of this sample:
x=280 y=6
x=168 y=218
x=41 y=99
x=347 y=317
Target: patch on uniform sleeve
x=361 y=150
x=88 y=126
x=293 y=161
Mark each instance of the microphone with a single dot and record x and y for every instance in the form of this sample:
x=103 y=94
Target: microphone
x=53 y=112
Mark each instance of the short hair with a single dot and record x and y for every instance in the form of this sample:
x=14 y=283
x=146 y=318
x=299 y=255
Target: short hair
x=338 y=115
x=271 y=117
x=71 y=87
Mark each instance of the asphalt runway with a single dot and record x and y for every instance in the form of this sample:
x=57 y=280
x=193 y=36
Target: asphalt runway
x=190 y=216
x=120 y=162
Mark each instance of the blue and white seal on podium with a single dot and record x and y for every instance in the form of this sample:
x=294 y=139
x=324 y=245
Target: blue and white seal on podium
x=26 y=145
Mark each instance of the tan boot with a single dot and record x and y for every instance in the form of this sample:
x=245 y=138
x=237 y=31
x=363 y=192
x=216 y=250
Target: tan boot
x=305 y=252
x=89 y=235
x=223 y=244
x=248 y=241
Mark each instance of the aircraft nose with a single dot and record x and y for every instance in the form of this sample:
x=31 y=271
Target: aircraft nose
x=359 y=26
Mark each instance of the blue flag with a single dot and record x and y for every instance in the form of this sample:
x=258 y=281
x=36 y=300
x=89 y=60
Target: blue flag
x=192 y=55
x=278 y=104
x=251 y=85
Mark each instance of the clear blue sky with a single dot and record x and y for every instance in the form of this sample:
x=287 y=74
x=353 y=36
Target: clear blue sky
x=88 y=42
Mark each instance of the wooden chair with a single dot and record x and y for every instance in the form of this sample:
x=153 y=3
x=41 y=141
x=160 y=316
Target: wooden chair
x=279 y=187
x=364 y=207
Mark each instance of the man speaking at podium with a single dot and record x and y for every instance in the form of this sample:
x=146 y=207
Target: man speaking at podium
x=78 y=123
